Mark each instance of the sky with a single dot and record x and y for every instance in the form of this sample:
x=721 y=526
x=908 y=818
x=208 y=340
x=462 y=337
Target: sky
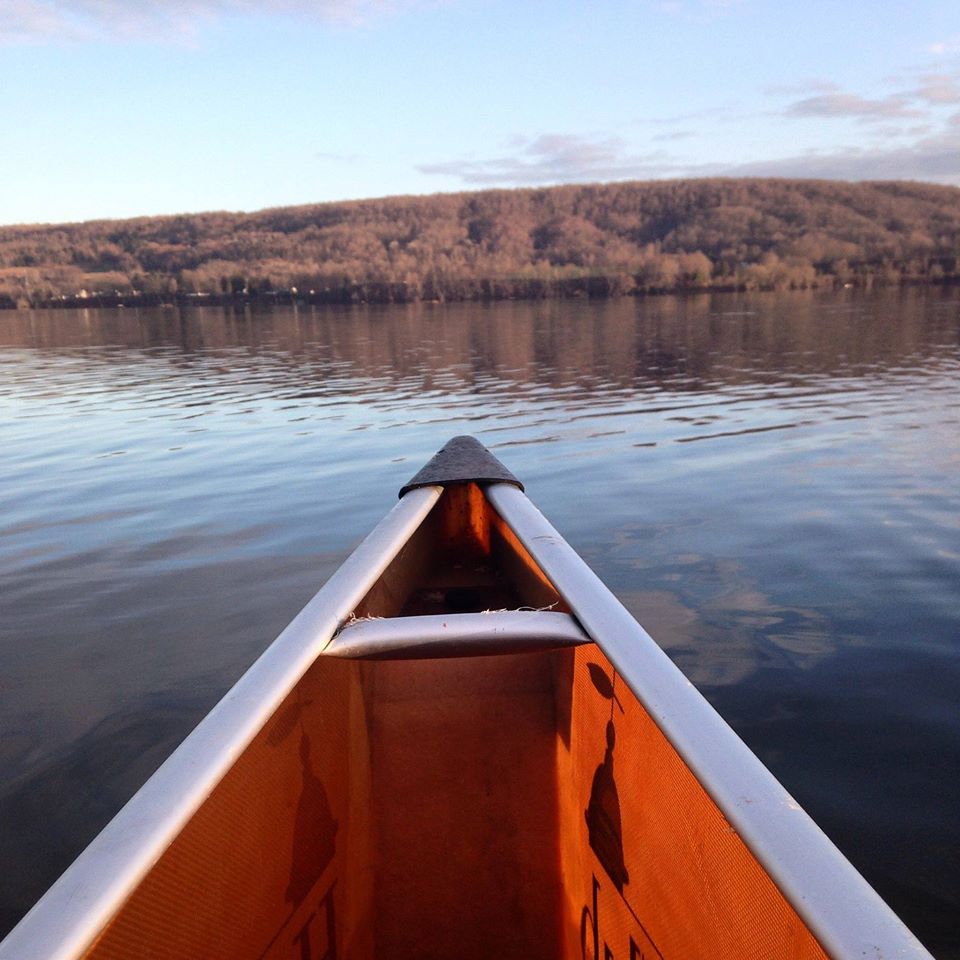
x=119 y=108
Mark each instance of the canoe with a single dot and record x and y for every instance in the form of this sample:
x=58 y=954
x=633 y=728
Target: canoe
x=463 y=746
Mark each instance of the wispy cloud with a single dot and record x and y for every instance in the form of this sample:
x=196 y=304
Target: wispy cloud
x=674 y=119
x=931 y=152
x=26 y=20
x=555 y=158
x=807 y=88
x=912 y=96
x=850 y=105
x=699 y=10
x=37 y=21
x=924 y=150
x=946 y=46
x=911 y=132
x=937 y=160
x=938 y=88
x=673 y=136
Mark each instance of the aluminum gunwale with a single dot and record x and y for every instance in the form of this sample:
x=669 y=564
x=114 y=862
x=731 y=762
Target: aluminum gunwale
x=67 y=919
x=845 y=914
x=457 y=634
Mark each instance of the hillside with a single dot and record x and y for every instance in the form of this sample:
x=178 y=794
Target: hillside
x=604 y=239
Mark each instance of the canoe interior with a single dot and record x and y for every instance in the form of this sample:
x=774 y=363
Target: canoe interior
x=509 y=806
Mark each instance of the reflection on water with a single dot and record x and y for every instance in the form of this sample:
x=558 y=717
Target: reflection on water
x=768 y=482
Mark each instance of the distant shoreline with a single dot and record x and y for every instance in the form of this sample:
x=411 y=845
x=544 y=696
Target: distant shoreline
x=581 y=288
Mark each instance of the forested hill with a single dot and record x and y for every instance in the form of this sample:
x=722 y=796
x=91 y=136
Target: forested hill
x=597 y=239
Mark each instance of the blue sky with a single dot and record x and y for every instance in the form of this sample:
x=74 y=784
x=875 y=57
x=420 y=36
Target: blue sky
x=115 y=108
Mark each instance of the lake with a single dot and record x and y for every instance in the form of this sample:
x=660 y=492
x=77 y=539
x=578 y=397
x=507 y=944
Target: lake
x=768 y=482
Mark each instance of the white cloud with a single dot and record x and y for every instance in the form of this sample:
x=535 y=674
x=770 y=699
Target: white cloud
x=34 y=21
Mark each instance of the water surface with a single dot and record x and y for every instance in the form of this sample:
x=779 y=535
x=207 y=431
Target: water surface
x=769 y=483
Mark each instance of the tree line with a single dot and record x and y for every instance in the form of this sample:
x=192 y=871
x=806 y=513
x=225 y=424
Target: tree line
x=593 y=240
